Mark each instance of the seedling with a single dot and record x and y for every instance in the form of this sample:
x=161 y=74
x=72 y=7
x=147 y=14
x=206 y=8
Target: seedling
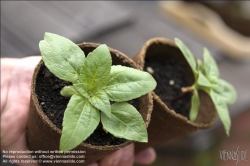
x=207 y=78
x=95 y=82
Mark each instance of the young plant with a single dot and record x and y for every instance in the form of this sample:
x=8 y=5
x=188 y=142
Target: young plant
x=94 y=84
x=207 y=78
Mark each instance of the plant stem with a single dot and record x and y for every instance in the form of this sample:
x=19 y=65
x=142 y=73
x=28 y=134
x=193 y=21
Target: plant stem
x=179 y=97
x=185 y=91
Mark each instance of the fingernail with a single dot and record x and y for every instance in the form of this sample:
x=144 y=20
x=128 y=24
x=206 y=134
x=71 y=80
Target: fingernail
x=145 y=154
x=146 y=157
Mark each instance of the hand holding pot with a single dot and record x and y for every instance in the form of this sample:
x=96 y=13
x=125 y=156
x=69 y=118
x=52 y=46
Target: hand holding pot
x=16 y=75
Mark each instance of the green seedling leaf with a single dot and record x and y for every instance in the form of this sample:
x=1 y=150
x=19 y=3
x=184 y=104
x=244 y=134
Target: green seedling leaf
x=79 y=122
x=127 y=121
x=206 y=76
x=202 y=80
x=100 y=100
x=222 y=110
x=210 y=66
x=61 y=56
x=200 y=66
x=82 y=88
x=96 y=69
x=195 y=105
x=68 y=91
x=127 y=83
x=226 y=91
x=187 y=54
x=69 y=50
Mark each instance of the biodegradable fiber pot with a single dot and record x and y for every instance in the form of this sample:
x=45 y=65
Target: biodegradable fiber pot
x=165 y=123
x=43 y=135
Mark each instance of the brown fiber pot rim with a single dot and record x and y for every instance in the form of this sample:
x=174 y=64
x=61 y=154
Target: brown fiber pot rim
x=121 y=57
x=139 y=58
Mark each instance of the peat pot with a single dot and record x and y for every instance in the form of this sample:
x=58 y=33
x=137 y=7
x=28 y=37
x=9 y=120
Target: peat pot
x=169 y=119
x=44 y=136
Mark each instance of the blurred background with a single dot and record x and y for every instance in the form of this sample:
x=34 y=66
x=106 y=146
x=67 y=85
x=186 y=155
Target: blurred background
x=223 y=27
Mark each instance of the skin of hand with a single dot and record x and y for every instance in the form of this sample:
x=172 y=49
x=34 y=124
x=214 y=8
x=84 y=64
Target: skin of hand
x=16 y=76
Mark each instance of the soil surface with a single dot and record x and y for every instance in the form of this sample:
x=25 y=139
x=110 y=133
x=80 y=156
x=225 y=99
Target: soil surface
x=170 y=78
x=48 y=89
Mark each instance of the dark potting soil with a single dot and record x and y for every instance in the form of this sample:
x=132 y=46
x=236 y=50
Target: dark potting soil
x=53 y=104
x=170 y=78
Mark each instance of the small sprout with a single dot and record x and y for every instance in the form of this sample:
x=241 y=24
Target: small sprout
x=150 y=70
x=106 y=131
x=171 y=82
x=206 y=76
x=95 y=84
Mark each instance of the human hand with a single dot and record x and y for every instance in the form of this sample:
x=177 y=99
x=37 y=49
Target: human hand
x=126 y=157
x=16 y=75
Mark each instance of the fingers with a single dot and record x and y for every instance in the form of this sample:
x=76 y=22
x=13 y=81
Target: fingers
x=122 y=157
x=127 y=158
x=112 y=159
x=146 y=157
